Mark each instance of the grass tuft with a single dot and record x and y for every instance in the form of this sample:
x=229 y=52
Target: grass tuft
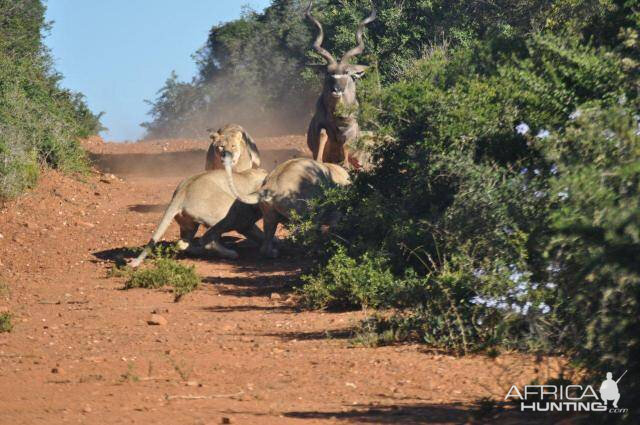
x=5 y=322
x=164 y=272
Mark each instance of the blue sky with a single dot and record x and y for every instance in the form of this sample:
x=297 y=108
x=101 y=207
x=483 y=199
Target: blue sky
x=120 y=52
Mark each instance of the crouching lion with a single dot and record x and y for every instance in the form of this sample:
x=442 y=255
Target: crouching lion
x=233 y=139
x=289 y=187
x=205 y=199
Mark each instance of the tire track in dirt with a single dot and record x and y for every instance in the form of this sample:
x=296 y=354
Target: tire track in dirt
x=82 y=350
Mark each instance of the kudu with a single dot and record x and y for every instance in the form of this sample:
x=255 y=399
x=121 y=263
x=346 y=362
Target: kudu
x=335 y=120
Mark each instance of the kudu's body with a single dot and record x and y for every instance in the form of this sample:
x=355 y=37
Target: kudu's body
x=335 y=120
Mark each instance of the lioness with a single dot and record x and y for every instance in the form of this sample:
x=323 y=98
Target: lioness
x=235 y=140
x=289 y=187
x=206 y=199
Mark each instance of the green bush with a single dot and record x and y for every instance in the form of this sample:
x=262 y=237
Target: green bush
x=505 y=212
x=593 y=254
x=165 y=272
x=40 y=123
x=347 y=283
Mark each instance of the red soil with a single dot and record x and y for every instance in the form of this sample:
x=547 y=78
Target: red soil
x=235 y=350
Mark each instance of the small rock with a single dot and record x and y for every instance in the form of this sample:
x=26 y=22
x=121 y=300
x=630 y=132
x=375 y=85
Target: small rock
x=191 y=383
x=86 y=224
x=275 y=296
x=87 y=409
x=31 y=225
x=225 y=420
x=4 y=309
x=157 y=320
x=1 y=236
x=57 y=370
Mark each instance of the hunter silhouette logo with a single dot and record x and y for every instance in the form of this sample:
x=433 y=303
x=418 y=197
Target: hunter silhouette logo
x=609 y=389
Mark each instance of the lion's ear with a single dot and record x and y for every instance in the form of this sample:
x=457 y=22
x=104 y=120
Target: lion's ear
x=254 y=154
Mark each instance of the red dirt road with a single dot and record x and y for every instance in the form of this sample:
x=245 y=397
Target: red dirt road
x=235 y=351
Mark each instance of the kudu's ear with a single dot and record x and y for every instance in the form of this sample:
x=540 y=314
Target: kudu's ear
x=357 y=71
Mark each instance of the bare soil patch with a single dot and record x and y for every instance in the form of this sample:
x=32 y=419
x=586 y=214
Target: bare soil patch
x=82 y=350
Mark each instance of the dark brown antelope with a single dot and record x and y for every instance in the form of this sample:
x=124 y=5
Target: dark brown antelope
x=335 y=120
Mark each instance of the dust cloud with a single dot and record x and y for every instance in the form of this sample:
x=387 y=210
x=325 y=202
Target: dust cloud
x=264 y=111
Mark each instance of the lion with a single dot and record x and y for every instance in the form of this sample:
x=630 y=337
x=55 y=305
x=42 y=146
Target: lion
x=204 y=199
x=234 y=139
x=290 y=186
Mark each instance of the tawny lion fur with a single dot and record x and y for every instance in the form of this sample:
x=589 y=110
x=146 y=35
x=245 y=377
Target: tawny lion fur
x=288 y=187
x=234 y=140
x=205 y=199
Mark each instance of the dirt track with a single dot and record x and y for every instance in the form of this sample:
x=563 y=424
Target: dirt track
x=82 y=351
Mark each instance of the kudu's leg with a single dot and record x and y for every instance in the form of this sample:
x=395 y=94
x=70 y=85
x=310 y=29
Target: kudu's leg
x=345 y=151
x=322 y=142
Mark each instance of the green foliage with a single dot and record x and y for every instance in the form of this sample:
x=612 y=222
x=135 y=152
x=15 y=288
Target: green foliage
x=347 y=283
x=504 y=209
x=595 y=246
x=40 y=123
x=254 y=70
x=165 y=272
x=5 y=322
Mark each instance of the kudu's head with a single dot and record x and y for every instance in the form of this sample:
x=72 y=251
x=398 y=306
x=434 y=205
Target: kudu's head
x=340 y=76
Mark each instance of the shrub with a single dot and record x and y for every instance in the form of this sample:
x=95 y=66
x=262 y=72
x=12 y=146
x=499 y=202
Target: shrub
x=347 y=283
x=593 y=255
x=40 y=123
x=505 y=213
x=165 y=272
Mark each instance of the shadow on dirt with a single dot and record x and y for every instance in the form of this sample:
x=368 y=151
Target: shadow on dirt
x=254 y=286
x=424 y=413
x=281 y=274
x=247 y=307
x=174 y=164
x=148 y=208
x=346 y=333
x=118 y=256
x=406 y=414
